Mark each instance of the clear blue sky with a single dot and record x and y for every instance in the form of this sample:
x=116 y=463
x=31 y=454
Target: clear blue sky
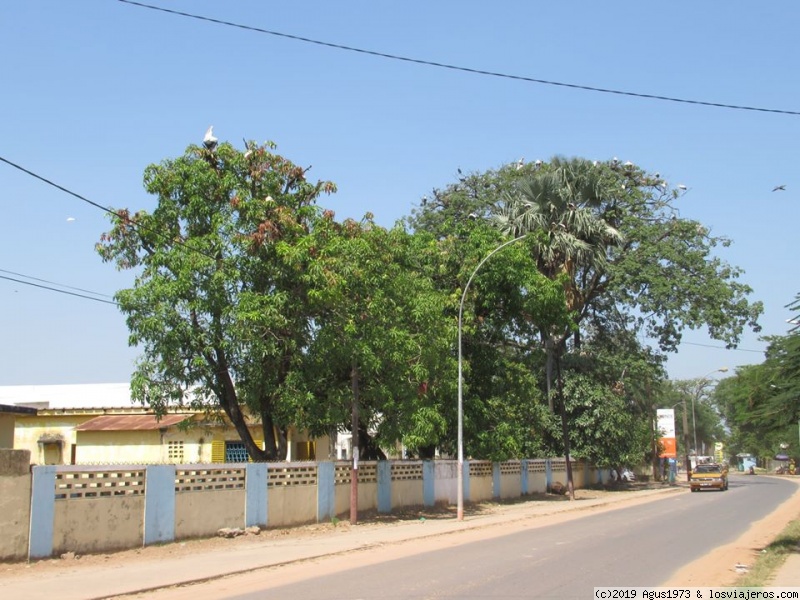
x=94 y=91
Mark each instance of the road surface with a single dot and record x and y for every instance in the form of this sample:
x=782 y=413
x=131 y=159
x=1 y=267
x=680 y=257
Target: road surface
x=641 y=545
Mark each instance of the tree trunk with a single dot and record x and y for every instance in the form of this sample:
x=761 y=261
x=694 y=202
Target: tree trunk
x=354 y=429
x=230 y=405
x=565 y=430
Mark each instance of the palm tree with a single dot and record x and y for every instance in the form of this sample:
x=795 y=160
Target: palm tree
x=558 y=205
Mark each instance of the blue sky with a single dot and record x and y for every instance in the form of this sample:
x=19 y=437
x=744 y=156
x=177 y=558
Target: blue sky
x=94 y=91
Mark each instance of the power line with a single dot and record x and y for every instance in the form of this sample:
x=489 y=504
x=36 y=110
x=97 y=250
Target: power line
x=55 y=283
x=55 y=185
x=100 y=206
x=429 y=63
x=722 y=347
x=52 y=289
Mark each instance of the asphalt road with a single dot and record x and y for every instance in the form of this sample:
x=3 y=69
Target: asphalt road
x=641 y=545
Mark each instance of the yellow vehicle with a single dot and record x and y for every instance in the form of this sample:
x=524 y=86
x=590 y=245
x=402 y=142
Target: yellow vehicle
x=709 y=477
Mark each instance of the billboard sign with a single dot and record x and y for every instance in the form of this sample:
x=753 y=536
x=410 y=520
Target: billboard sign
x=667 y=442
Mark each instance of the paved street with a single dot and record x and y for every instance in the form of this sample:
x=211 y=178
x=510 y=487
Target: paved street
x=647 y=516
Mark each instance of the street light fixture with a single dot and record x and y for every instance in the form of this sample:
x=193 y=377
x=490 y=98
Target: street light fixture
x=460 y=493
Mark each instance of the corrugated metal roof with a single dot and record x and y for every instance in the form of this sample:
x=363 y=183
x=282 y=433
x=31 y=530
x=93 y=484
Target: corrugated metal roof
x=131 y=422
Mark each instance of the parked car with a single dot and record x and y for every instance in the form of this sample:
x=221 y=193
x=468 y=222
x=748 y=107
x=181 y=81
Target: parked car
x=710 y=476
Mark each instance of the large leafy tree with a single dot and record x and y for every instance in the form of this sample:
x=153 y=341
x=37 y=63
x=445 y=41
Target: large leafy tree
x=631 y=267
x=507 y=297
x=382 y=346
x=557 y=207
x=660 y=275
x=220 y=305
x=759 y=404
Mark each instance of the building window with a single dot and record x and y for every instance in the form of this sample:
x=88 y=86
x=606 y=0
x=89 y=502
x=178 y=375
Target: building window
x=235 y=452
x=175 y=451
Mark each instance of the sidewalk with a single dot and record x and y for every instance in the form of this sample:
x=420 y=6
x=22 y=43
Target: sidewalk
x=789 y=574
x=90 y=579
x=84 y=579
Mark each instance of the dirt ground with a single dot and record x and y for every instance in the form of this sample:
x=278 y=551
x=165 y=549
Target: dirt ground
x=366 y=519
x=716 y=569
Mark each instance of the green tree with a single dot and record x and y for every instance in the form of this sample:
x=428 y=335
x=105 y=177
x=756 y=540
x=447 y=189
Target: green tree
x=759 y=404
x=604 y=428
x=382 y=346
x=557 y=207
x=705 y=423
x=507 y=300
x=220 y=305
x=662 y=279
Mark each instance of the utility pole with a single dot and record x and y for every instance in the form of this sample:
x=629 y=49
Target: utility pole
x=686 y=442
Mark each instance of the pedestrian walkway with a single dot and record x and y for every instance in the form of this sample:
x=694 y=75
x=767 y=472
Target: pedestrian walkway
x=789 y=573
x=77 y=580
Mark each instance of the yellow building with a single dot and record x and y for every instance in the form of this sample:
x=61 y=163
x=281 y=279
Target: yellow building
x=99 y=424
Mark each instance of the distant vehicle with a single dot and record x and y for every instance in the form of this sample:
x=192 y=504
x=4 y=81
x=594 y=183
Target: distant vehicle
x=623 y=474
x=709 y=477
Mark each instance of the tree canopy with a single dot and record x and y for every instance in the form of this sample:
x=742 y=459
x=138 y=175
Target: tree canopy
x=253 y=300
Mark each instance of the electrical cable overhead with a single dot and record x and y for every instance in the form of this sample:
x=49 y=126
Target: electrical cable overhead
x=110 y=211
x=451 y=67
x=69 y=287
x=52 y=289
x=722 y=347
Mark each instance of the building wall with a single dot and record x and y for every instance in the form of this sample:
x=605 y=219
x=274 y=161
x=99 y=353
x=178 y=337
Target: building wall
x=7 y=421
x=49 y=438
x=15 y=503
x=154 y=446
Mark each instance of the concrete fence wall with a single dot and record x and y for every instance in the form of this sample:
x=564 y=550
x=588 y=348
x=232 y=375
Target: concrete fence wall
x=49 y=510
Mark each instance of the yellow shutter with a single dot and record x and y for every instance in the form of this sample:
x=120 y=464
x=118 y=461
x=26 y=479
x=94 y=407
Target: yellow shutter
x=258 y=442
x=217 y=451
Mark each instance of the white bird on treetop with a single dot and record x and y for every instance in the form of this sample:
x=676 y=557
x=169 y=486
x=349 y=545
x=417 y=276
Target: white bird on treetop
x=209 y=141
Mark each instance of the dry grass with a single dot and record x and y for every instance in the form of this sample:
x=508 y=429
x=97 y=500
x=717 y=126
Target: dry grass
x=771 y=558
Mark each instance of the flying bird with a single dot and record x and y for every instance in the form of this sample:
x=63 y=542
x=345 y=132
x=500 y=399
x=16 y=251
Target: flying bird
x=681 y=186
x=779 y=188
x=209 y=141
x=70 y=219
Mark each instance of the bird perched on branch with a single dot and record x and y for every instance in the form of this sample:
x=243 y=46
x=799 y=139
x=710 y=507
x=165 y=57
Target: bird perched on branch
x=209 y=141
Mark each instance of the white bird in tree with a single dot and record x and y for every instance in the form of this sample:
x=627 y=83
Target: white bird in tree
x=209 y=141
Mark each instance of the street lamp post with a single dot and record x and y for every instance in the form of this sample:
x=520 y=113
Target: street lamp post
x=460 y=477
x=702 y=380
x=686 y=441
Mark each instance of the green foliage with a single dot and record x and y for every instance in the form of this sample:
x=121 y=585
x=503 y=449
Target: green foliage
x=759 y=403
x=603 y=428
x=220 y=303
x=252 y=301
x=381 y=320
